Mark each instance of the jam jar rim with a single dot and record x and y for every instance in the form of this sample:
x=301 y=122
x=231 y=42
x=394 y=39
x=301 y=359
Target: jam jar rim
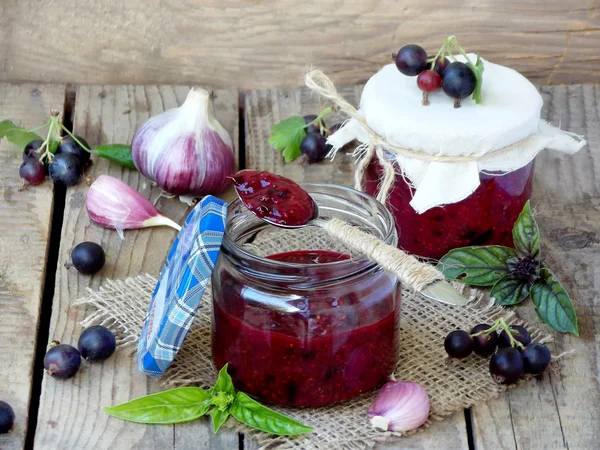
x=361 y=263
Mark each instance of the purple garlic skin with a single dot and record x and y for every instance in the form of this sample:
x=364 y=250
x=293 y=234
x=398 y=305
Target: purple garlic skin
x=400 y=406
x=185 y=150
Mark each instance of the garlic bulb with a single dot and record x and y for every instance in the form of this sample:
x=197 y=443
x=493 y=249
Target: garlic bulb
x=399 y=406
x=185 y=150
x=113 y=204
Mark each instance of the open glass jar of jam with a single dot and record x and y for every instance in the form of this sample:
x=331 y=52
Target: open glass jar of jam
x=299 y=320
x=486 y=217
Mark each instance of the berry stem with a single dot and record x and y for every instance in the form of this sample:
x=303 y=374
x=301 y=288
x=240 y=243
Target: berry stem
x=74 y=138
x=51 y=136
x=510 y=332
x=425 y=100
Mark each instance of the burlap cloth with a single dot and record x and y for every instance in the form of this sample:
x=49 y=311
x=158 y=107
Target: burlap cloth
x=452 y=384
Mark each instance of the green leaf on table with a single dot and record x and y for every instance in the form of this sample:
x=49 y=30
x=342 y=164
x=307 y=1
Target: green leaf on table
x=478 y=70
x=224 y=383
x=16 y=135
x=255 y=415
x=553 y=305
x=510 y=291
x=218 y=418
x=173 y=406
x=477 y=266
x=526 y=234
x=119 y=153
x=287 y=136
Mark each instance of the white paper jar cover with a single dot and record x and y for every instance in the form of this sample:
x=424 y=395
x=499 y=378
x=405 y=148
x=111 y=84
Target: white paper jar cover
x=504 y=132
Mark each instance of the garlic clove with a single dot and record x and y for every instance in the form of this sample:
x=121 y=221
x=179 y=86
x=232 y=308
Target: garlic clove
x=400 y=406
x=185 y=150
x=112 y=203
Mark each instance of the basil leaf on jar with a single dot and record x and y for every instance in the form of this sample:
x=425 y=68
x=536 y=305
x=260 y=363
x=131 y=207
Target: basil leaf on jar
x=173 y=406
x=255 y=415
x=477 y=266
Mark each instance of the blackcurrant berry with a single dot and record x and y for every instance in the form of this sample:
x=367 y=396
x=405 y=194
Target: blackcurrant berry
x=7 y=417
x=484 y=345
x=88 y=257
x=314 y=128
x=65 y=169
x=314 y=147
x=428 y=81
x=411 y=60
x=96 y=343
x=458 y=81
x=67 y=145
x=506 y=365
x=62 y=361
x=521 y=335
x=458 y=344
x=536 y=357
x=440 y=65
x=32 y=150
x=32 y=171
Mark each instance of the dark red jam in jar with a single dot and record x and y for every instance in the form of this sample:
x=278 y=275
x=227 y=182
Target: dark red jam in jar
x=486 y=217
x=307 y=327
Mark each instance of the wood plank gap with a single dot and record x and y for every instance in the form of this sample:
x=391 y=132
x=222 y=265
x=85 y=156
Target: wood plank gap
x=469 y=425
x=43 y=329
x=241 y=435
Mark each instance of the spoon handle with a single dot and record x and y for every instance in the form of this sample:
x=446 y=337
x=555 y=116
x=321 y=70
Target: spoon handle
x=410 y=271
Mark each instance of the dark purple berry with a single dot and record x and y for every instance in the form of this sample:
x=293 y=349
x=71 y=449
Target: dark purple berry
x=440 y=65
x=506 y=365
x=314 y=147
x=62 y=361
x=537 y=358
x=68 y=145
x=314 y=128
x=32 y=150
x=65 y=169
x=88 y=257
x=32 y=171
x=484 y=345
x=96 y=343
x=458 y=81
x=411 y=60
x=7 y=417
x=458 y=344
x=521 y=335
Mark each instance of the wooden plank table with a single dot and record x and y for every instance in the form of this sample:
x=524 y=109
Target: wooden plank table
x=558 y=410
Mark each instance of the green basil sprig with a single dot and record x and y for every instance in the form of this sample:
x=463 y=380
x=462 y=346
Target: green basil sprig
x=515 y=274
x=221 y=401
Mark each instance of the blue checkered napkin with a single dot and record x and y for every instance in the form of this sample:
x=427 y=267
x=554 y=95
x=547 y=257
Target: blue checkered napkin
x=181 y=284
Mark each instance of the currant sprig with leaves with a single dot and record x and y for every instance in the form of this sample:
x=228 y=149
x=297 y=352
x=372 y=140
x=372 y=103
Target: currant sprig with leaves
x=185 y=404
x=288 y=134
x=515 y=274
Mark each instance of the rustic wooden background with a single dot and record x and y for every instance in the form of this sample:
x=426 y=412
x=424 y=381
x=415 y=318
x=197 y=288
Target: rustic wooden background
x=265 y=43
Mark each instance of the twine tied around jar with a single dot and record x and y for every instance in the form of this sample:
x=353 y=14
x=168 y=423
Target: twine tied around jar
x=318 y=82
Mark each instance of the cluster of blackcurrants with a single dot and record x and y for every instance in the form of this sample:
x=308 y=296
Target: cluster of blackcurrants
x=456 y=78
x=512 y=356
x=96 y=343
x=314 y=146
x=65 y=167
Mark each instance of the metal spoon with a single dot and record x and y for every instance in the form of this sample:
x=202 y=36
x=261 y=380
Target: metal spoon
x=440 y=290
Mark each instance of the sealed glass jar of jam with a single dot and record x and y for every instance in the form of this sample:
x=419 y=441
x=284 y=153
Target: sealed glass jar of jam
x=299 y=320
x=452 y=174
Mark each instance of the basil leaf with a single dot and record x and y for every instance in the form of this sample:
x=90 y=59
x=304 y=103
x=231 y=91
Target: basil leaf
x=478 y=71
x=526 y=234
x=223 y=384
x=255 y=415
x=287 y=136
x=119 y=153
x=553 y=305
x=172 y=406
x=218 y=418
x=478 y=266
x=510 y=291
x=16 y=135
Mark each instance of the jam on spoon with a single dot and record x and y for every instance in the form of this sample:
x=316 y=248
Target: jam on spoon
x=274 y=198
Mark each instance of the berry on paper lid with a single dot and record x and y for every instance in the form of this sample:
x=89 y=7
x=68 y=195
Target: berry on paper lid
x=182 y=282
